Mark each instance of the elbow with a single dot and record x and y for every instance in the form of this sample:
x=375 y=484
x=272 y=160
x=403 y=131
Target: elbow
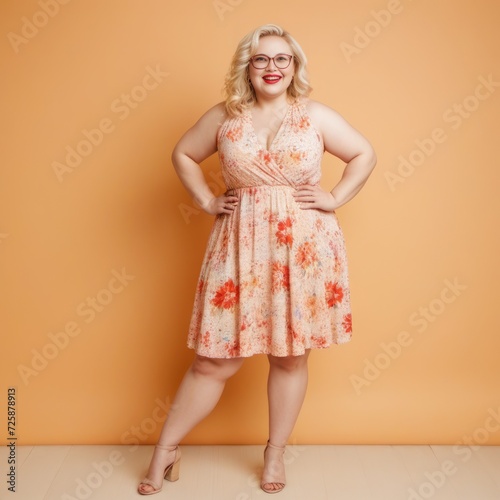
x=371 y=159
x=175 y=157
x=181 y=157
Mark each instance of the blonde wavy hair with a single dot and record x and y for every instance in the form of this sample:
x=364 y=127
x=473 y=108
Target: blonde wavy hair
x=239 y=94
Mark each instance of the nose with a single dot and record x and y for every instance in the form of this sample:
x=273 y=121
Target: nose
x=271 y=64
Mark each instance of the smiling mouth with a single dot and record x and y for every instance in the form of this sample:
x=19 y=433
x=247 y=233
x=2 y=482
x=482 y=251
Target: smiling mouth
x=272 y=78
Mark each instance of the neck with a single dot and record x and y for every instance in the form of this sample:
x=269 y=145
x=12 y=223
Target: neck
x=273 y=103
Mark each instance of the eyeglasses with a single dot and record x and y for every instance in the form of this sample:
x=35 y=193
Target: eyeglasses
x=261 y=61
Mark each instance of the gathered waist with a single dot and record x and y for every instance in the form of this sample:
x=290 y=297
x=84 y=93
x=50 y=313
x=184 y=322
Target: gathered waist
x=266 y=186
x=262 y=187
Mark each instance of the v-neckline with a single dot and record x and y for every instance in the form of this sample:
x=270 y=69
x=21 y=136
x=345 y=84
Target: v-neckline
x=278 y=132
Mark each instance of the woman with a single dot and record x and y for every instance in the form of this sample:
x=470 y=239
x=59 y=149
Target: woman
x=274 y=278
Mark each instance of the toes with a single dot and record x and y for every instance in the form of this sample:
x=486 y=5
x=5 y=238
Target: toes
x=273 y=486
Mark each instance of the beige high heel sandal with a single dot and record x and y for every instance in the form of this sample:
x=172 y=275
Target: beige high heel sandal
x=171 y=472
x=280 y=482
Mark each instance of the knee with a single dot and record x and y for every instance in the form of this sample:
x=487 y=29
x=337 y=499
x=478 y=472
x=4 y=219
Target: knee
x=289 y=363
x=220 y=369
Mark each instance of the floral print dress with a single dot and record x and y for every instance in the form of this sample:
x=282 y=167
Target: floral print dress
x=274 y=277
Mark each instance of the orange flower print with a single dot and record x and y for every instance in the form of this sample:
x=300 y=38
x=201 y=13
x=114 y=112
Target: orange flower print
x=265 y=340
x=201 y=286
x=272 y=217
x=306 y=255
x=301 y=125
x=334 y=293
x=319 y=224
x=283 y=234
x=336 y=264
x=235 y=134
x=280 y=277
x=297 y=156
x=265 y=156
x=319 y=341
x=223 y=247
x=206 y=339
x=347 y=323
x=298 y=337
x=312 y=305
x=227 y=295
x=251 y=286
x=233 y=349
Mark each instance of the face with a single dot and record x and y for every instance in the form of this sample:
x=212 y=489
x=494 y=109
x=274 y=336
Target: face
x=271 y=81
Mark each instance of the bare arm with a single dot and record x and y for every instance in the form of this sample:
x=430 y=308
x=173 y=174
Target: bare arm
x=345 y=142
x=197 y=144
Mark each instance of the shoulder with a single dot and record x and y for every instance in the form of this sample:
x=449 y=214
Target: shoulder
x=319 y=112
x=326 y=120
x=339 y=136
x=201 y=138
x=215 y=116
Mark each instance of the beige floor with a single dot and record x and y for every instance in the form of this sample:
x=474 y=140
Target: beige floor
x=344 y=472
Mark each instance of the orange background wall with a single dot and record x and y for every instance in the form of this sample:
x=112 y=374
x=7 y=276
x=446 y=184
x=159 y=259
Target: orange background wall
x=422 y=236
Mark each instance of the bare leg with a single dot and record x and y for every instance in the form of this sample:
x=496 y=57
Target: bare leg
x=286 y=389
x=198 y=394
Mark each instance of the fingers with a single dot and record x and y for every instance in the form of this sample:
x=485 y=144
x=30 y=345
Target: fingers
x=306 y=202
x=307 y=196
x=227 y=203
x=307 y=205
x=313 y=197
x=307 y=191
x=307 y=188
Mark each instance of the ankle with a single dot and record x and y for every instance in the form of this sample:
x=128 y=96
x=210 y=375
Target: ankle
x=274 y=447
x=167 y=447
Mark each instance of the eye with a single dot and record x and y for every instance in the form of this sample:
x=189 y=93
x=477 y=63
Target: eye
x=282 y=59
x=260 y=58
